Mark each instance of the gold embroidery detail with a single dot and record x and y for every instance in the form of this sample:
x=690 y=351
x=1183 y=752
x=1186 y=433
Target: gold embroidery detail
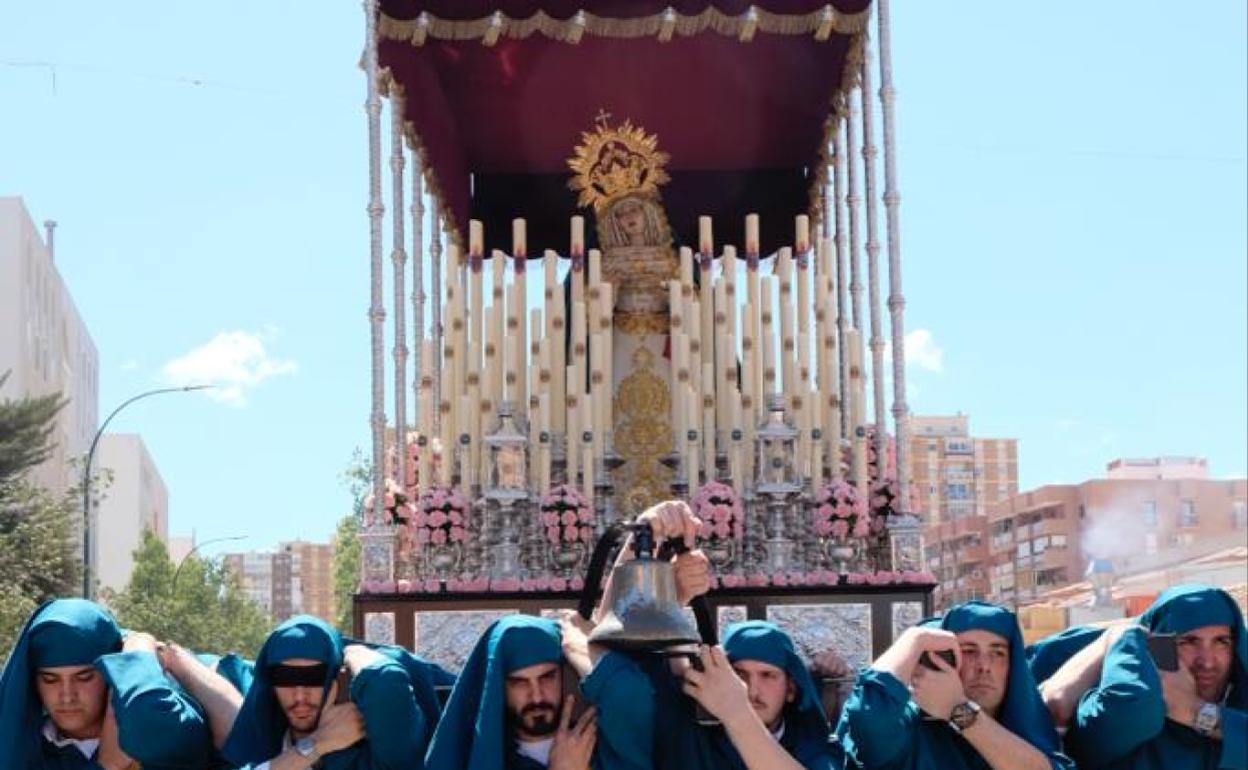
x=643 y=323
x=643 y=435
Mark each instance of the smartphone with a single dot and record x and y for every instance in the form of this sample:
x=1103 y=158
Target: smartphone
x=344 y=686
x=948 y=655
x=572 y=689
x=1165 y=651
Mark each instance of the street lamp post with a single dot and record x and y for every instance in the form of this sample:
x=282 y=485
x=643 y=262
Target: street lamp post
x=86 y=478
x=178 y=571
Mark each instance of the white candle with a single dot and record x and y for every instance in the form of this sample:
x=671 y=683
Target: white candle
x=730 y=287
x=680 y=383
x=597 y=376
x=476 y=238
x=706 y=242
x=558 y=360
x=587 y=448
x=686 y=270
x=572 y=437
x=519 y=247
x=769 y=343
x=578 y=237
x=784 y=268
x=465 y=468
x=801 y=236
x=751 y=235
x=595 y=267
x=543 y=418
x=723 y=380
x=708 y=420
x=692 y=447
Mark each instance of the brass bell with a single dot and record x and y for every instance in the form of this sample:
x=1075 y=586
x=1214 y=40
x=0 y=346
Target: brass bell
x=643 y=612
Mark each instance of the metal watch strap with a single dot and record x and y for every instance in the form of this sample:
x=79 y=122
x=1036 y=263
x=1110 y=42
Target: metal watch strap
x=306 y=747
x=964 y=715
x=1207 y=718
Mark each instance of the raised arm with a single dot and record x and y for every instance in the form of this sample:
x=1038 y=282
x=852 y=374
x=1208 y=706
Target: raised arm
x=724 y=695
x=156 y=723
x=1124 y=710
x=396 y=728
x=219 y=699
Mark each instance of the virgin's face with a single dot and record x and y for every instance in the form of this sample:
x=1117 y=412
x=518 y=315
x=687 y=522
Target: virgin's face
x=632 y=220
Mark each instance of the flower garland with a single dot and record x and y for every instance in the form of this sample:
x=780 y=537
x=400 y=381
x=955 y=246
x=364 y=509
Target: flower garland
x=841 y=512
x=567 y=516
x=721 y=511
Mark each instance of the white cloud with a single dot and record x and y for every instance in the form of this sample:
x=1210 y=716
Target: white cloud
x=921 y=351
x=236 y=362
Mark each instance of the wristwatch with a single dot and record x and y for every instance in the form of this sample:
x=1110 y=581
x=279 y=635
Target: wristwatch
x=1207 y=718
x=306 y=747
x=964 y=715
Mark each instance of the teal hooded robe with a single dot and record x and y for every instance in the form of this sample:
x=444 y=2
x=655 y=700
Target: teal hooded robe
x=473 y=733
x=396 y=727
x=158 y=725
x=1121 y=723
x=881 y=728
x=1051 y=653
x=666 y=733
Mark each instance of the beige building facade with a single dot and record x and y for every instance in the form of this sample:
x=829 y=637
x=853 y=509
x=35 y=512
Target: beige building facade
x=295 y=579
x=957 y=478
x=136 y=499
x=1042 y=540
x=44 y=344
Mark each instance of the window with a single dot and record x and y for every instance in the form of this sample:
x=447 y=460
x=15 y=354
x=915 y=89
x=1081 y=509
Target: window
x=1149 y=511
x=959 y=446
x=1057 y=541
x=1187 y=514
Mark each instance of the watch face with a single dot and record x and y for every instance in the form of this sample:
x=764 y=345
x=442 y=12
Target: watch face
x=306 y=746
x=964 y=714
x=1207 y=718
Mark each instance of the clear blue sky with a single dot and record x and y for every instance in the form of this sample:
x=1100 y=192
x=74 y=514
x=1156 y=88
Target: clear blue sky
x=1073 y=230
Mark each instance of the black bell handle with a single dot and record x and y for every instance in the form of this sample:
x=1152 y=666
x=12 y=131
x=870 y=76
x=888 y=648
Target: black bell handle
x=707 y=628
x=598 y=567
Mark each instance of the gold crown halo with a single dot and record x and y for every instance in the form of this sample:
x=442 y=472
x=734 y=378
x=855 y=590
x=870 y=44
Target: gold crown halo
x=610 y=162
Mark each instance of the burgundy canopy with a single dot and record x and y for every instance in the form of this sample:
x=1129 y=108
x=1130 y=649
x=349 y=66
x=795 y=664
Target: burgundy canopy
x=743 y=122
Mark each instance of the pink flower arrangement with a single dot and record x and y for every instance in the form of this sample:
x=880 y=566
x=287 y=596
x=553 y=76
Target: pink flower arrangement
x=840 y=512
x=440 y=517
x=395 y=505
x=720 y=509
x=567 y=516
x=823 y=577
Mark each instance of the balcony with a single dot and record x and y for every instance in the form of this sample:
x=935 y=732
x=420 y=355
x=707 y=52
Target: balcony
x=1057 y=526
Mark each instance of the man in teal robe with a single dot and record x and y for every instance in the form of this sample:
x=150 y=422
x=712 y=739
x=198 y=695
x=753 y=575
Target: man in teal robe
x=507 y=710
x=79 y=693
x=912 y=710
x=1137 y=717
x=289 y=720
x=768 y=709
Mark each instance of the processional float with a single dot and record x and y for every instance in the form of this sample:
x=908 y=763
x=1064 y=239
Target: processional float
x=642 y=279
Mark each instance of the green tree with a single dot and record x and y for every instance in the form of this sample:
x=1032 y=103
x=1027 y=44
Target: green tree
x=356 y=478
x=39 y=557
x=26 y=426
x=199 y=606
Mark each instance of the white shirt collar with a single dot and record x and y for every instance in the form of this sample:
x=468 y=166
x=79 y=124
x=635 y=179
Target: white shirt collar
x=538 y=751
x=778 y=733
x=87 y=746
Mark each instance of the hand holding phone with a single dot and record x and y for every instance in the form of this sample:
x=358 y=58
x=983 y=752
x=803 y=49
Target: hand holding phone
x=1164 y=649
x=949 y=656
